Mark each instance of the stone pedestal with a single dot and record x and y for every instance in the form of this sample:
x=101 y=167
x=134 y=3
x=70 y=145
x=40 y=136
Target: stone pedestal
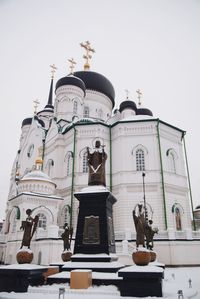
x=80 y=279
x=95 y=233
x=141 y=281
x=16 y=278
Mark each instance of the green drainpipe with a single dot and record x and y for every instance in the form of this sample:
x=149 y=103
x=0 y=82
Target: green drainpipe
x=189 y=184
x=162 y=175
x=73 y=167
x=110 y=158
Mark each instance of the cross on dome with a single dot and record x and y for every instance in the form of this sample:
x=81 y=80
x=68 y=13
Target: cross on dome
x=53 y=70
x=36 y=104
x=72 y=65
x=87 y=56
x=139 y=92
x=127 y=93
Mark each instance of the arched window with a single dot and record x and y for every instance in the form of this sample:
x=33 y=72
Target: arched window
x=178 y=218
x=13 y=221
x=42 y=222
x=68 y=160
x=140 y=160
x=172 y=157
x=86 y=111
x=49 y=167
x=69 y=165
x=100 y=113
x=85 y=163
x=30 y=150
x=177 y=210
x=75 y=107
x=64 y=216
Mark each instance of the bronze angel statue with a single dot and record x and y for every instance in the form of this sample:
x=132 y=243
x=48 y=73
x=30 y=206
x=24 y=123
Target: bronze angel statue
x=29 y=227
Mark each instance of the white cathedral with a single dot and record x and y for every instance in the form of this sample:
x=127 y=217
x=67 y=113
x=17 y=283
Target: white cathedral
x=51 y=165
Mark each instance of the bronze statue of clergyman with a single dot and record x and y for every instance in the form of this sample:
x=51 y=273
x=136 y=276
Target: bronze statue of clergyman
x=29 y=227
x=143 y=228
x=96 y=165
x=67 y=237
x=149 y=234
x=139 y=221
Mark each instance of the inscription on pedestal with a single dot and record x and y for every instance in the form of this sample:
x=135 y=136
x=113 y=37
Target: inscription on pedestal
x=91 y=230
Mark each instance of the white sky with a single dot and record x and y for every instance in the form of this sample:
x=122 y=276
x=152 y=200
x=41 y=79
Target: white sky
x=153 y=45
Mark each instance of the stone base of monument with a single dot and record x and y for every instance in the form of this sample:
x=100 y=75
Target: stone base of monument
x=24 y=256
x=66 y=256
x=141 y=281
x=95 y=232
x=16 y=278
x=98 y=258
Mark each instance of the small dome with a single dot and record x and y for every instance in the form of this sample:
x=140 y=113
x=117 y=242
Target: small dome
x=27 y=121
x=71 y=80
x=144 y=111
x=36 y=182
x=97 y=82
x=198 y=207
x=37 y=175
x=128 y=105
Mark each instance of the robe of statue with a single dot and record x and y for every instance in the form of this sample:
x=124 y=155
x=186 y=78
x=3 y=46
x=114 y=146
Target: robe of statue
x=96 y=165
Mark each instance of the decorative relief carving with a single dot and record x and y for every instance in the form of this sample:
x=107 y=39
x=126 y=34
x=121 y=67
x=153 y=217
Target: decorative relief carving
x=91 y=233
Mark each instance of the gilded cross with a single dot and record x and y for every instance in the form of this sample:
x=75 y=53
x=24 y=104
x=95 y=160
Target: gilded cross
x=127 y=93
x=139 y=96
x=36 y=102
x=72 y=65
x=87 y=56
x=53 y=70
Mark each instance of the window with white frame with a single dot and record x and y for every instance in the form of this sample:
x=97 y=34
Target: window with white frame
x=64 y=216
x=100 y=113
x=172 y=157
x=42 y=222
x=69 y=164
x=49 y=167
x=13 y=220
x=75 y=107
x=178 y=211
x=86 y=111
x=85 y=163
x=30 y=150
x=140 y=160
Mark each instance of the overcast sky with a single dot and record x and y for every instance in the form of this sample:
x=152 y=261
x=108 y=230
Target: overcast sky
x=153 y=45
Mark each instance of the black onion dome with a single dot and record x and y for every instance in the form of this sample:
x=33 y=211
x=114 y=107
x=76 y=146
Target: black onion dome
x=128 y=105
x=27 y=121
x=71 y=80
x=144 y=111
x=97 y=82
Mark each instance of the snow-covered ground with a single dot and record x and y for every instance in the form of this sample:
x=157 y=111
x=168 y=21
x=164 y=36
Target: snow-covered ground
x=186 y=279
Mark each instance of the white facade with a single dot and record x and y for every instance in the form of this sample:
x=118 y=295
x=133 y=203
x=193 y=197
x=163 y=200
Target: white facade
x=135 y=143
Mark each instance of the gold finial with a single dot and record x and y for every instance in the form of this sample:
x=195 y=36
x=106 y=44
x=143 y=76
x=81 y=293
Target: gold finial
x=127 y=93
x=39 y=161
x=139 y=96
x=72 y=65
x=53 y=70
x=36 y=102
x=87 y=56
